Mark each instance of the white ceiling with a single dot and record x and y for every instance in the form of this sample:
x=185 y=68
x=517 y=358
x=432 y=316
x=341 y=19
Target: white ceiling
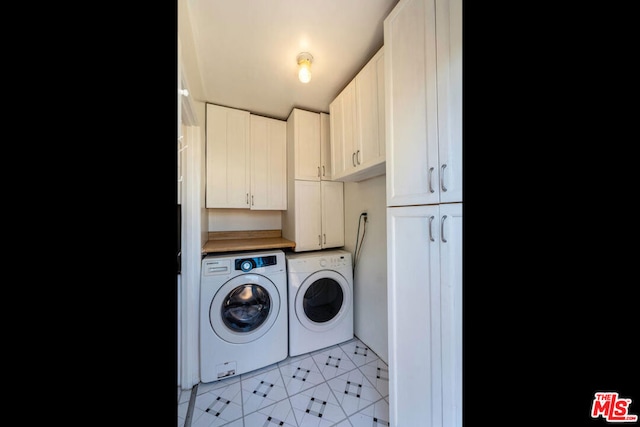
x=246 y=50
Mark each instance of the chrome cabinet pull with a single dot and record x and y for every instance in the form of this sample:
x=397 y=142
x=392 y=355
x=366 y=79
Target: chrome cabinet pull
x=430 y=175
x=247 y=198
x=252 y=200
x=322 y=170
x=318 y=171
x=442 y=229
x=358 y=156
x=325 y=237
x=442 y=177
x=319 y=240
x=353 y=159
x=430 y=220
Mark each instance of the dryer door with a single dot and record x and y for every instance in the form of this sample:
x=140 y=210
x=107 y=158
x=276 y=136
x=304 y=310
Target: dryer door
x=244 y=308
x=322 y=300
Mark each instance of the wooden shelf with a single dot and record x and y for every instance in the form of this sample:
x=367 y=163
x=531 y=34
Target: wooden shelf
x=231 y=241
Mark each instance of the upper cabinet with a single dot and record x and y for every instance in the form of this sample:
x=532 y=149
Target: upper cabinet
x=358 y=125
x=304 y=147
x=423 y=88
x=227 y=158
x=268 y=163
x=245 y=160
x=325 y=147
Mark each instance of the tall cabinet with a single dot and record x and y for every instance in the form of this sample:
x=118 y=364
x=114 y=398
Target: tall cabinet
x=423 y=100
x=314 y=218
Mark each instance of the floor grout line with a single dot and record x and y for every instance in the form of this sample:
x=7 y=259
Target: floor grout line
x=192 y=403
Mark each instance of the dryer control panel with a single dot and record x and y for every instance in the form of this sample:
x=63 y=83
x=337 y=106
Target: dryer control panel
x=321 y=260
x=335 y=261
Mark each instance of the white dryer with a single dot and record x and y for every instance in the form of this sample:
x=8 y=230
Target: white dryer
x=243 y=313
x=320 y=299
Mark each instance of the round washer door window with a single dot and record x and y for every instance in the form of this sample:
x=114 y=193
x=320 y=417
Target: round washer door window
x=244 y=308
x=322 y=301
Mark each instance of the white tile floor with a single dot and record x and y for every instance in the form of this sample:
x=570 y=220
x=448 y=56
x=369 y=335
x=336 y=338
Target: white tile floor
x=345 y=385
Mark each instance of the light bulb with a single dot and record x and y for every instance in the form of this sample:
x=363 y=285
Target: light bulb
x=304 y=67
x=304 y=73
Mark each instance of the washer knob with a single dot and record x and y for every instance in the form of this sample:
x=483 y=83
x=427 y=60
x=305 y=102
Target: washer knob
x=246 y=265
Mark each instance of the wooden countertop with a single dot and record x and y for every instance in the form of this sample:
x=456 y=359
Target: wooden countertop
x=230 y=241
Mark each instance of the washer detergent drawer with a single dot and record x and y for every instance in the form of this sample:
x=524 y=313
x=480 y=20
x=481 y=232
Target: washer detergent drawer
x=216 y=267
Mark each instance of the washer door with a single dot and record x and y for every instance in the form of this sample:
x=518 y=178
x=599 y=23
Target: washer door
x=322 y=301
x=244 y=308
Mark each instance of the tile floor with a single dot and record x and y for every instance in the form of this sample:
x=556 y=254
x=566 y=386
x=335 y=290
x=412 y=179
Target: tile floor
x=345 y=385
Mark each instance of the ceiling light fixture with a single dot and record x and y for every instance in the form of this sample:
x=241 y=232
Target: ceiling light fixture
x=304 y=66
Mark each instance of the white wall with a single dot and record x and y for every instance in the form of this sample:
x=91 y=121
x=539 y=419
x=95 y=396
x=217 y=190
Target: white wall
x=243 y=220
x=370 y=278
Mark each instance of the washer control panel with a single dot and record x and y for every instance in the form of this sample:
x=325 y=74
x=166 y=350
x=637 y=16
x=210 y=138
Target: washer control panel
x=248 y=264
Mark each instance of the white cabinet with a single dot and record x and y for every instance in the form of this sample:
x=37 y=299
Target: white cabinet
x=423 y=106
x=227 y=157
x=332 y=195
x=314 y=218
x=424 y=272
x=268 y=163
x=325 y=147
x=315 y=215
x=342 y=112
x=370 y=134
x=423 y=85
x=357 y=124
x=449 y=77
x=303 y=145
x=451 y=312
x=245 y=160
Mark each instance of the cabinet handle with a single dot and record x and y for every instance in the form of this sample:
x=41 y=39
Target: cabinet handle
x=252 y=200
x=430 y=175
x=318 y=171
x=430 y=221
x=319 y=240
x=322 y=170
x=442 y=177
x=442 y=229
x=325 y=237
x=247 y=198
x=358 y=156
x=353 y=159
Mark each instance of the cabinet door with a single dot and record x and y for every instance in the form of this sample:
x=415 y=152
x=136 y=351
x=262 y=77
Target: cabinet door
x=343 y=132
x=268 y=163
x=336 y=120
x=307 y=145
x=332 y=193
x=449 y=50
x=411 y=104
x=413 y=288
x=450 y=223
x=370 y=147
x=424 y=272
x=227 y=157
x=308 y=222
x=325 y=147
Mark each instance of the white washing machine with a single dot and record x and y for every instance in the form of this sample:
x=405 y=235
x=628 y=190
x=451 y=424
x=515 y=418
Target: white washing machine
x=320 y=299
x=243 y=313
